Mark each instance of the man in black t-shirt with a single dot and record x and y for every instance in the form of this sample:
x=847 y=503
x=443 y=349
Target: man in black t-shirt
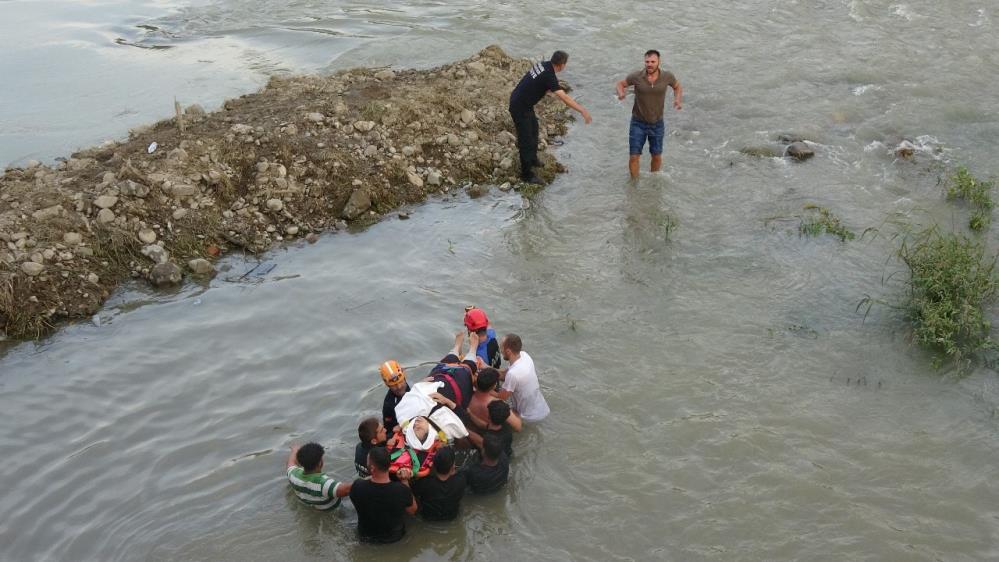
x=439 y=494
x=395 y=379
x=538 y=81
x=380 y=502
x=491 y=474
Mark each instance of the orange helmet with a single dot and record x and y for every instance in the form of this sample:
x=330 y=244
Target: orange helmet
x=392 y=373
x=475 y=319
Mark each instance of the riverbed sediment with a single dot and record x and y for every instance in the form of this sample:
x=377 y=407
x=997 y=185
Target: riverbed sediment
x=305 y=155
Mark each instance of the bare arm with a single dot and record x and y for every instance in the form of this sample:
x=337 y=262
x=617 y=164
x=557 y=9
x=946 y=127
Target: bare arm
x=622 y=85
x=503 y=394
x=677 y=95
x=292 y=460
x=343 y=489
x=514 y=421
x=567 y=100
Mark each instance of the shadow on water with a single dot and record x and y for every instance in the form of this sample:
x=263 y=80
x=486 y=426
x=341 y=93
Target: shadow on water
x=648 y=224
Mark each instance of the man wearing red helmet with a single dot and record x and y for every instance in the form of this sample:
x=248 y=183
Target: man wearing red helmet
x=488 y=348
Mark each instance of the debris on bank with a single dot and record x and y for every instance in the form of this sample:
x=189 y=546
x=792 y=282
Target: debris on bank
x=306 y=154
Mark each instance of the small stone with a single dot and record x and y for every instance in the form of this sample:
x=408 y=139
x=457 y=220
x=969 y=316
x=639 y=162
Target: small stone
x=32 y=164
x=506 y=163
x=467 y=116
x=408 y=151
x=434 y=178
x=194 y=110
x=312 y=238
x=105 y=216
x=147 y=236
x=156 y=253
x=453 y=139
x=177 y=154
x=93 y=278
x=165 y=275
x=105 y=201
x=262 y=167
x=31 y=268
x=403 y=215
x=37 y=258
x=364 y=126
x=905 y=149
x=340 y=225
x=371 y=150
x=84 y=252
x=291 y=230
x=275 y=204
x=475 y=68
x=72 y=239
x=241 y=129
x=48 y=254
x=414 y=179
x=505 y=186
x=315 y=117
x=385 y=74
x=180 y=213
x=201 y=266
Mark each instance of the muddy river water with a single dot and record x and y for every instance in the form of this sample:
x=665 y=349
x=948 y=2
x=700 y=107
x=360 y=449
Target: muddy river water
x=715 y=394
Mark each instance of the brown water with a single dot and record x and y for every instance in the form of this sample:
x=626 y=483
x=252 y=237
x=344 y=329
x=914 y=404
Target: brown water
x=715 y=395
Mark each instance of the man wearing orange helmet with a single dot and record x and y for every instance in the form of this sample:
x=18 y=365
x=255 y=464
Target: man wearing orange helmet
x=488 y=348
x=395 y=379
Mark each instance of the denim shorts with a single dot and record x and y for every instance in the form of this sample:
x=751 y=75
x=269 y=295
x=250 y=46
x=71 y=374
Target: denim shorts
x=639 y=130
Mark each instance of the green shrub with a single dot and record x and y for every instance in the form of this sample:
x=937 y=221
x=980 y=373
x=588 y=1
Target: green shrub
x=963 y=185
x=817 y=220
x=951 y=281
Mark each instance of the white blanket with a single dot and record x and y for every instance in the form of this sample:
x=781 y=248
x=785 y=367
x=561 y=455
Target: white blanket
x=417 y=402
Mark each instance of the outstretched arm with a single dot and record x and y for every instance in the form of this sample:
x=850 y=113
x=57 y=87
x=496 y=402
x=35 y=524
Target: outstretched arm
x=622 y=85
x=567 y=100
x=292 y=460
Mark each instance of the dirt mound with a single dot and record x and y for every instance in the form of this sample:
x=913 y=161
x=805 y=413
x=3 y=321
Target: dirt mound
x=304 y=155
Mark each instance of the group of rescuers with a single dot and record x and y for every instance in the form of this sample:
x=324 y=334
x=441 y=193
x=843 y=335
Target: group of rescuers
x=408 y=465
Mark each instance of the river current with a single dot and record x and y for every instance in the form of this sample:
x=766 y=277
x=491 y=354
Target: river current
x=715 y=393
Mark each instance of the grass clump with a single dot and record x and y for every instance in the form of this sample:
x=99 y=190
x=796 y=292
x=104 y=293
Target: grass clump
x=818 y=220
x=964 y=185
x=951 y=281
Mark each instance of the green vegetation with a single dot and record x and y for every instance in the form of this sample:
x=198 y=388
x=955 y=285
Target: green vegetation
x=963 y=185
x=818 y=220
x=951 y=281
x=666 y=224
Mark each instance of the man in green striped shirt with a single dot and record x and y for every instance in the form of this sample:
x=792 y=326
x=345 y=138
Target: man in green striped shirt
x=312 y=486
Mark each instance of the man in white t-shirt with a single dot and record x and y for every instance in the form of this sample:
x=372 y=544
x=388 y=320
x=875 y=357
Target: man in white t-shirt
x=520 y=382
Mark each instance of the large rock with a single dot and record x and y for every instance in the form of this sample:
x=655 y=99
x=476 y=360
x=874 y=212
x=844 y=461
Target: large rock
x=105 y=201
x=799 y=151
x=165 y=275
x=47 y=213
x=201 y=266
x=414 y=179
x=31 y=268
x=359 y=202
x=156 y=253
x=105 y=216
x=147 y=236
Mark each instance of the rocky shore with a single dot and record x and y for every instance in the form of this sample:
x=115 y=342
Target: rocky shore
x=305 y=155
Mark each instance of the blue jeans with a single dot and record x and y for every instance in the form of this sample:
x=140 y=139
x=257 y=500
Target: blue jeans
x=639 y=131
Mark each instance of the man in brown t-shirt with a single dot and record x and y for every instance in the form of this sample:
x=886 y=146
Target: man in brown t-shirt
x=647 y=114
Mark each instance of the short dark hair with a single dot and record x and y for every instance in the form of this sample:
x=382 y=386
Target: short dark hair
x=368 y=429
x=560 y=57
x=488 y=377
x=378 y=457
x=444 y=460
x=481 y=332
x=513 y=343
x=492 y=447
x=309 y=456
x=653 y=52
x=499 y=411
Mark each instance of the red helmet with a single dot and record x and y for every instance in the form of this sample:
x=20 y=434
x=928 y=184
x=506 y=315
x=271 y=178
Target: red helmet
x=475 y=319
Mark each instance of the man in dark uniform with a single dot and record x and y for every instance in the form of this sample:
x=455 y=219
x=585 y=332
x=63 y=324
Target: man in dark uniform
x=538 y=81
